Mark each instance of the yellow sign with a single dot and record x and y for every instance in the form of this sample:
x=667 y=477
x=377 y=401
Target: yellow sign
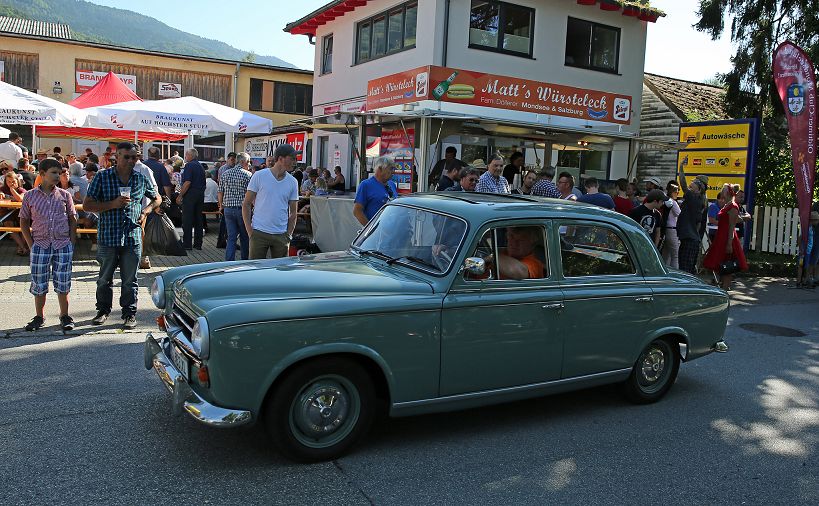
x=713 y=162
x=715 y=184
x=736 y=136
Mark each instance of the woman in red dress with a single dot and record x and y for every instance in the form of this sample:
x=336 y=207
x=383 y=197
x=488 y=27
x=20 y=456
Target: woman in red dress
x=726 y=245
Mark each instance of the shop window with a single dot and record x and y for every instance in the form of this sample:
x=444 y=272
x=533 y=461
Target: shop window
x=327 y=54
x=387 y=33
x=592 y=45
x=501 y=26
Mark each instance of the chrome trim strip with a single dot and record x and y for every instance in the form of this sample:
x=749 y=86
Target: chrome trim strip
x=435 y=310
x=184 y=398
x=509 y=390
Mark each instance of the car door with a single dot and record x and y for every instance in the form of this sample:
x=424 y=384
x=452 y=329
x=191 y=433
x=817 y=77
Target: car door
x=499 y=333
x=607 y=303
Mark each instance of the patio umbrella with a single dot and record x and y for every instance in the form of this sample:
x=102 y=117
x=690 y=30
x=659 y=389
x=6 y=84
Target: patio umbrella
x=187 y=113
x=109 y=90
x=22 y=107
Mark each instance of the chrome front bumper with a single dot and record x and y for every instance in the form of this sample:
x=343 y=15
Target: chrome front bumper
x=184 y=398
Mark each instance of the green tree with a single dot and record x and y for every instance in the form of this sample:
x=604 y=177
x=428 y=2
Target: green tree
x=249 y=57
x=757 y=28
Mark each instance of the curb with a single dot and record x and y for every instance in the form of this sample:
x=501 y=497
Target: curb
x=21 y=334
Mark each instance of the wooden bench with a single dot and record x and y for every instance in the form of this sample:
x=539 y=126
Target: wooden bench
x=18 y=230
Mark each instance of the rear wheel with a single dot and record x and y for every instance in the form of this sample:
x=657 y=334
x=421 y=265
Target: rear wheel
x=653 y=373
x=320 y=410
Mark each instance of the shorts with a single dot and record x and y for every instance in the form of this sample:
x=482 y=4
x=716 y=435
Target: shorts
x=57 y=262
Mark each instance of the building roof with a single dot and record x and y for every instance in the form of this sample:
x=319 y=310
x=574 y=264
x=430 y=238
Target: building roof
x=639 y=9
x=37 y=28
x=689 y=100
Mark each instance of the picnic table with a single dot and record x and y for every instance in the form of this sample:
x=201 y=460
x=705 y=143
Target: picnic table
x=7 y=209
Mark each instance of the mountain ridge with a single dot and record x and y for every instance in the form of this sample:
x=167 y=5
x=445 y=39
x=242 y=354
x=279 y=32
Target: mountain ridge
x=79 y=14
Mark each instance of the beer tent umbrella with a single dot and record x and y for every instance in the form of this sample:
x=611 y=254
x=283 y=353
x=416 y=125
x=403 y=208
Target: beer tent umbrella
x=191 y=114
x=22 y=107
x=109 y=90
x=4 y=133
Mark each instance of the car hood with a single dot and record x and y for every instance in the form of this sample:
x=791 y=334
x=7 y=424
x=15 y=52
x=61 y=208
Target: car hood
x=337 y=274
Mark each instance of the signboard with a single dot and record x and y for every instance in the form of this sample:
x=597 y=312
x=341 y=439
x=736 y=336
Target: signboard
x=721 y=150
x=357 y=106
x=500 y=92
x=259 y=148
x=398 y=146
x=170 y=90
x=86 y=79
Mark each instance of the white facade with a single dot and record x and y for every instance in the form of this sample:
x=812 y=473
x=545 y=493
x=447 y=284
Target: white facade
x=348 y=80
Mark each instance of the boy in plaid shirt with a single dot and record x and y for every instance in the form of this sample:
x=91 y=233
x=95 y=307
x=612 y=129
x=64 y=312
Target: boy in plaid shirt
x=48 y=222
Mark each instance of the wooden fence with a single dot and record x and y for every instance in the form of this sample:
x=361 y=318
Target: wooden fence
x=775 y=230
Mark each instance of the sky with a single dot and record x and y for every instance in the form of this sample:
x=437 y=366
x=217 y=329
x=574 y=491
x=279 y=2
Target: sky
x=673 y=47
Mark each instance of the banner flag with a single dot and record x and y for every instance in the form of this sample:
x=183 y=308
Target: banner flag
x=796 y=83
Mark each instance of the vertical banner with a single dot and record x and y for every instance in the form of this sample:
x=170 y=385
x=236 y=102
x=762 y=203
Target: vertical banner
x=795 y=81
x=396 y=144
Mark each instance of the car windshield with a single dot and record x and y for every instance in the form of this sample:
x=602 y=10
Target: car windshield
x=419 y=238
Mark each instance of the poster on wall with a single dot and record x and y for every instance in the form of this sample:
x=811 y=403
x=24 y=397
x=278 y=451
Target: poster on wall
x=86 y=79
x=259 y=148
x=399 y=146
x=170 y=90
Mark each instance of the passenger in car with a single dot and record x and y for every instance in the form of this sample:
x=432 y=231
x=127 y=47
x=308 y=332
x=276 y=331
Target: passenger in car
x=518 y=260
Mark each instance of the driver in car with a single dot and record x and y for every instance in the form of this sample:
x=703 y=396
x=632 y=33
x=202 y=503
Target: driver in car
x=518 y=260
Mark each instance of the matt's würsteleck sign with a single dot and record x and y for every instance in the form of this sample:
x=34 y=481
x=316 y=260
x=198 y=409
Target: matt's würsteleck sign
x=86 y=79
x=170 y=90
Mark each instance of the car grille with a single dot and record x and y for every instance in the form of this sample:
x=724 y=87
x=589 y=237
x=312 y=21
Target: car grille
x=184 y=319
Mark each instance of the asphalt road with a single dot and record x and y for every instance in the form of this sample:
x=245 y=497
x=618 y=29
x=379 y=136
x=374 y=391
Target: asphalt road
x=82 y=422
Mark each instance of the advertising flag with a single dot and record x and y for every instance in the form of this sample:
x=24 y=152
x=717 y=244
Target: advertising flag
x=795 y=81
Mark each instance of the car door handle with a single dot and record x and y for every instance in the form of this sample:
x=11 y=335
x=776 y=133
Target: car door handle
x=557 y=305
x=644 y=299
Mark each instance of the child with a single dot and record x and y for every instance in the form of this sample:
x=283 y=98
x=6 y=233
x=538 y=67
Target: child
x=48 y=222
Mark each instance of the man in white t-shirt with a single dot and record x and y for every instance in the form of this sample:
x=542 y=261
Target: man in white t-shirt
x=270 y=205
x=10 y=150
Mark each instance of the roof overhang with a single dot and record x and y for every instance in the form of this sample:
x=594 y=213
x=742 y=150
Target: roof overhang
x=335 y=9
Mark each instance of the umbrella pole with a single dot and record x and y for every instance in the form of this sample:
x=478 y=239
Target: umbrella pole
x=33 y=139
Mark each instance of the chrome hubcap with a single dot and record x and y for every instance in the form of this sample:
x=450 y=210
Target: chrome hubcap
x=321 y=409
x=653 y=366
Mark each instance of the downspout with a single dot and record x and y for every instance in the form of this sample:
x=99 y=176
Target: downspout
x=446 y=32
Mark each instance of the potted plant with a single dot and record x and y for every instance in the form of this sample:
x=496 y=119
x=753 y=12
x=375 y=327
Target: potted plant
x=631 y=9
x=610 y=5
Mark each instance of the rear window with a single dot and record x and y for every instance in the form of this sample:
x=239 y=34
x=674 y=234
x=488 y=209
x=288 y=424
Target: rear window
x=593 y=250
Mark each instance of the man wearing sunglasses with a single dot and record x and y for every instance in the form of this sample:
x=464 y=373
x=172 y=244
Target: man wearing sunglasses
x=116 y=194
x=467 y=180
x=375 y=191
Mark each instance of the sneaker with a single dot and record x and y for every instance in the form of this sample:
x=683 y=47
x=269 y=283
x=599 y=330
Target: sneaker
x=66 y=322
x=35 y=323
x=129 y=322
x=100 y=318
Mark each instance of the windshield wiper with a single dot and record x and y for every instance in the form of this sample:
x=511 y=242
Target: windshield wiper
x=413 y=259
x=374 y=253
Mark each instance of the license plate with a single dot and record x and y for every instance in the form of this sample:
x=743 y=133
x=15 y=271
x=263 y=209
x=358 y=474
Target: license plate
x=180 y=361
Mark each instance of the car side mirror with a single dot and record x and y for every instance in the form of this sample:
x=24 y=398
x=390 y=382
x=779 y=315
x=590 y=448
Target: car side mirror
x=475 y=265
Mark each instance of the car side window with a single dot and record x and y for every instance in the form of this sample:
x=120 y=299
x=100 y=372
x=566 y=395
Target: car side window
x=512 y=253
x=593 y=250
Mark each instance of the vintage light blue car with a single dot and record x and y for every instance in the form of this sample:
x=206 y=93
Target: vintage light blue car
x=443 y=302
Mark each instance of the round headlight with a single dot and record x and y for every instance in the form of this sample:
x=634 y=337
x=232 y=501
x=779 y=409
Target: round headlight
x=200 y=337
x=158 y=292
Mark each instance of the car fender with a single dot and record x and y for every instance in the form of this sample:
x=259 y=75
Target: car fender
x=318 y=350
x=666 y=331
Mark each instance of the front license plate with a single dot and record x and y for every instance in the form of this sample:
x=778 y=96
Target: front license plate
x=180 y=361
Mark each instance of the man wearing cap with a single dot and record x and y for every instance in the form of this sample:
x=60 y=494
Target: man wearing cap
x=10 y=150
x=544 y=186
x=42 y=154
x=270 y=205
x=688 y=223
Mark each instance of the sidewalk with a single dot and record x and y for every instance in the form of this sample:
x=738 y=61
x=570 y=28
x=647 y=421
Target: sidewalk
x=18 y=303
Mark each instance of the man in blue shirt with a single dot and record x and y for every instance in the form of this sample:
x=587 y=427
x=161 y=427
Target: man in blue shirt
x=375 y=191
x=192 y=199
x=161 y=176
x=593 y=196
x=116 y=195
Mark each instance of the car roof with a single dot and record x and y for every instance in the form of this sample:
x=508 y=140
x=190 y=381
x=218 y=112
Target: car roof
x=487 y=206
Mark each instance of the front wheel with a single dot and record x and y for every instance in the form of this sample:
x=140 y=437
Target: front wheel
x=653 y=373
x=320 y=410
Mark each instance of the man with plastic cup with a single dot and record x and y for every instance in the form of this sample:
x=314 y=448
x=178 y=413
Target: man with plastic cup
x=116 y=195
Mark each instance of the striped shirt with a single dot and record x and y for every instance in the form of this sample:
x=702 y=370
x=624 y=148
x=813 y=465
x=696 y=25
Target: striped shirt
x=49 y=215
x=488 y=183
x=233 y=186
x=120 y=227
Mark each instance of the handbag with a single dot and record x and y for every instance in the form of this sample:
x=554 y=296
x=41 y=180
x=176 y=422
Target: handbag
x=728 y=267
